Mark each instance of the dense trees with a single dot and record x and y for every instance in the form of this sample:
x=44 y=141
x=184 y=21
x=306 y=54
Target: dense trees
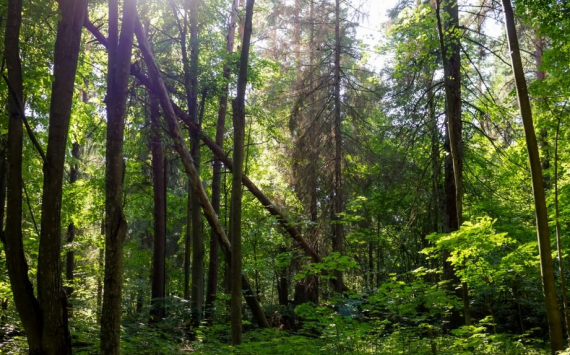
x=365 y=194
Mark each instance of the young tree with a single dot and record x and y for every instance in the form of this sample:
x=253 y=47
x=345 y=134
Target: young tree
x=158 y=288
x=543 y=233
x=238 y=158
x=213 y=266
x=450 y=52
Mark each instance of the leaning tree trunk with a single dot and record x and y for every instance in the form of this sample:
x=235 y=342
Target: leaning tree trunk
x=543 y=233
x=119 y=50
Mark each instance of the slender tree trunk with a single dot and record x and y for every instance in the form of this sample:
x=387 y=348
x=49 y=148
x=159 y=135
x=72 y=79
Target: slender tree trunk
x=70 y=256
x=119 y=50
x=283 y=282
x=238 y=158
x=158 y=291
x=26 y=304
x=450 y=52
x=338 y=238
x=558 y=236
x=197 y=297
x=212 y=285
x=188 y=245
x=544 y=248
x=100 y=271
x=3 y=176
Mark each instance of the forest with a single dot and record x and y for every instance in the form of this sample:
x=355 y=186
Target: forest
x=284 y=177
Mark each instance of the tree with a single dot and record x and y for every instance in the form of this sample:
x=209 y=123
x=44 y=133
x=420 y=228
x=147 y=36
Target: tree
x=158 y=292
x=213 y=266
x=543 y=233
x=450 y=53
x=119 y=61
x=238 y=159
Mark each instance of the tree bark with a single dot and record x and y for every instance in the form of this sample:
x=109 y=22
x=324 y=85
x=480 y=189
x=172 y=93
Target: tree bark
x=26 y=304
x=238 y=159
x=450 y=52
x=119 y=51
x=71 y=230
x=213 y=267
x=559 y=237
x=197 y=296
x=51 y=295
x=338 y=238
x=543 y=233
x=158 y=293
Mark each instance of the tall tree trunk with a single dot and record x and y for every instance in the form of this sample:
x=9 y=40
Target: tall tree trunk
x=70 y=256
x=543 y=233
x=212 y=285
x=51 y=295
x=197 y=296
x=558 y=236
x=338 y=238
x=100 y=271
x=450 y=52
x=160 y=89
x=3 y=176
x=119 y=50
x=26 y=304
x=238 y=158
x=158 y=291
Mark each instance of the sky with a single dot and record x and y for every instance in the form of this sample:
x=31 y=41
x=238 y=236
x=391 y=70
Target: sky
x=370 y=28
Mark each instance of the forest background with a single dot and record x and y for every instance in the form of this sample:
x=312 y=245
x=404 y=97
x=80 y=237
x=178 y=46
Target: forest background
x=285 y=177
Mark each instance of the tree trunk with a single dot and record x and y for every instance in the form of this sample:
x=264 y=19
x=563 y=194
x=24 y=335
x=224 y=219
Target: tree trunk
x=119 y=51
x=558 y=236
x=158 y=293
x=70 y=256
x=450 y=52
x=238 y=158
x=197 y=297
x=212 y=285
x=51 y=295
x=544 y=248
x=338 y=238
x=26 y=304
